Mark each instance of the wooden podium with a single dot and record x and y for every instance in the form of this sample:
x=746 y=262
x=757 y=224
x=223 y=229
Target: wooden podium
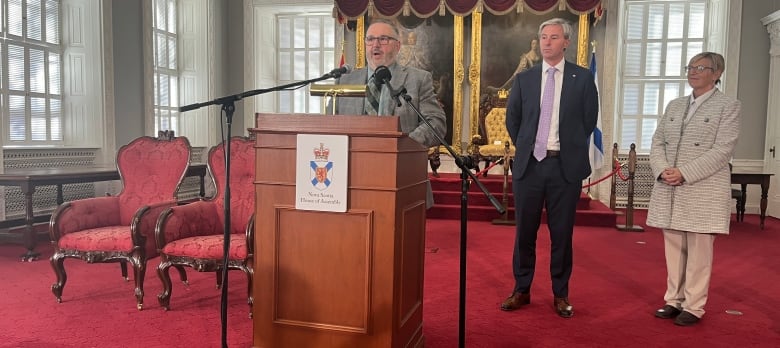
x=353 y=279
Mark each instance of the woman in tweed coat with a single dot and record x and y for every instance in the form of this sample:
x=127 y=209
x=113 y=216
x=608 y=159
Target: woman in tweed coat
x=691 y=200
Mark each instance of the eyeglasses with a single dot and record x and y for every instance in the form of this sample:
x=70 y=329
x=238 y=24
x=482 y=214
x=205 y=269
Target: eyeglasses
x=383 y=40
x=698 y=68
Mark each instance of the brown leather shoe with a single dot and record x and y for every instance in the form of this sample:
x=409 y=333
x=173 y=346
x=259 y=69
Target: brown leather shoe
x=563 y=307
x=515 y=301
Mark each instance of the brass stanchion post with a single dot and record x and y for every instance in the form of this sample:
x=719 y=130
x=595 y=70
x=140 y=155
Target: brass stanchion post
x=615 y=165
x=629 y=226
x=504 y=219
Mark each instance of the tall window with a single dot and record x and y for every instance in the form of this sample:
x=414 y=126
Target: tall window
x=660 y=37
x=306 y=51
x=166 y=87
x=30 y=72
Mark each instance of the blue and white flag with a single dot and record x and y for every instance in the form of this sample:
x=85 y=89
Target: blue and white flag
x=596 y=144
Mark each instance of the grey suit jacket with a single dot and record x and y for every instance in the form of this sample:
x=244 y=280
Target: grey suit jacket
x=419 y=86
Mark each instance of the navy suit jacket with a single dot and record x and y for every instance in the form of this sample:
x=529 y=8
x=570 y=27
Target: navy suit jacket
x=577 y=116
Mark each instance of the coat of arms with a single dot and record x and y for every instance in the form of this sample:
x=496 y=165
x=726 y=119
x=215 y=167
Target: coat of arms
x=321 y=168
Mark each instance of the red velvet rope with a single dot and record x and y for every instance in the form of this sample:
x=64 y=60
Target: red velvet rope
x=617 y=171
x=483 y=171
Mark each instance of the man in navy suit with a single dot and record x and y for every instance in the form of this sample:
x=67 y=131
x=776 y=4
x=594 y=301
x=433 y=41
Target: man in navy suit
x=551 y=160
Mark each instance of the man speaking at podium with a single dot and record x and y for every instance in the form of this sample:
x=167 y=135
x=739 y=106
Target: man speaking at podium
x=382 y=47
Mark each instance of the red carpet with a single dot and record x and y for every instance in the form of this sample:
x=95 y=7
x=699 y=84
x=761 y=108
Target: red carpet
x=618 y=282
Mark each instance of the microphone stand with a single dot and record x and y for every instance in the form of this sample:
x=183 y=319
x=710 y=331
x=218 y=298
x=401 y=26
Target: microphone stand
x=465 y=163
x=228 y=107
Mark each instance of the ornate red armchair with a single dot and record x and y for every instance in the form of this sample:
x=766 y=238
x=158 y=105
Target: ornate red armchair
x=121 y=228
x=192 y=235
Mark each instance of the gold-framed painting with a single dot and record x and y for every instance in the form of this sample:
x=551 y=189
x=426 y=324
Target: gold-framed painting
x=506 y=44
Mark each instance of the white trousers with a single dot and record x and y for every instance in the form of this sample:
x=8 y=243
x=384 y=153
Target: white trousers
x=688 y=267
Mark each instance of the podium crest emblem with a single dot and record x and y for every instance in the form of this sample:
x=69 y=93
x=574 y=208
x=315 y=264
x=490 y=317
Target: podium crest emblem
x=321 y=168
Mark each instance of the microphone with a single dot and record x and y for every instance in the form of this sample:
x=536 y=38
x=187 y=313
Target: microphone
x=382 y=75
x=336 y=73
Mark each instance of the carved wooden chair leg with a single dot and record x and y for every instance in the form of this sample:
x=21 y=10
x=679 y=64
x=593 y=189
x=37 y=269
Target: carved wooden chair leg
x=434 y=159
x=182 y=274
x=473 y=152
x=250 y=299
x=164 y=298
x=140 y=273
x=123 y=267
x=62 y=277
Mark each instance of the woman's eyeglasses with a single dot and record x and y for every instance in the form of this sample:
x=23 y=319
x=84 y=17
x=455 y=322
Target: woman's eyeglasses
x=698 y=68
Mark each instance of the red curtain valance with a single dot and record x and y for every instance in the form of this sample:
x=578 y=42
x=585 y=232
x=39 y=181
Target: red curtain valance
x=427 y=8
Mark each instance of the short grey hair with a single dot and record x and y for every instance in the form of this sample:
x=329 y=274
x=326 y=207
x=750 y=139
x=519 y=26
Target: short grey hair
x=388 y=22
x=557 y=21
x=718 y=62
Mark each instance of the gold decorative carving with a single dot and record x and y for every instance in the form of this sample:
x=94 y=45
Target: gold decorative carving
x=582 y=41
x=360 y=47
x=457 y=83
x=475 y=70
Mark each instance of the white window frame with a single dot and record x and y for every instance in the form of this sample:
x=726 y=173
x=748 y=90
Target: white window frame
x=86 y=68
x=718 y=37
x=260 y=46
x=166 y=74
x=303 y=52
x=198 y=43
x=51 y=128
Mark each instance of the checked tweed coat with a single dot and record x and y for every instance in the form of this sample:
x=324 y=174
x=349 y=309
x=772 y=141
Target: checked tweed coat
x=701 y=149
x=419 y=85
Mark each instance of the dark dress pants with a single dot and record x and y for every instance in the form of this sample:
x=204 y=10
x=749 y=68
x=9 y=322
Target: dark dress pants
x=543 y=185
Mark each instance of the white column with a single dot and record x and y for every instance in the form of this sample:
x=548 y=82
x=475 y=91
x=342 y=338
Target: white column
x=772 y=23
x=772 y=162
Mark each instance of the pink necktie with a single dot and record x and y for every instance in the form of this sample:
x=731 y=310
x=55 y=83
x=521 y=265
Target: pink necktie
x=545 y=116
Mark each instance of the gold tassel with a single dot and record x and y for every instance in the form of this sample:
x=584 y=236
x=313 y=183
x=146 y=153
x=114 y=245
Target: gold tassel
x=442 y=8
x=561 y=5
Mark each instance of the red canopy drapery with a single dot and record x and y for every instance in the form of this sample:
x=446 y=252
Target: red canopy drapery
x=427 y=8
